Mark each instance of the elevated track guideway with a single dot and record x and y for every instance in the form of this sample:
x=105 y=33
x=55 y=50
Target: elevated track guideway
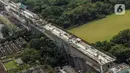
x=83 y=53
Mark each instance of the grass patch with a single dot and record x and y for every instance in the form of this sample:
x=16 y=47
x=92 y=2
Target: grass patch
x=10 y=65
x=103 y=29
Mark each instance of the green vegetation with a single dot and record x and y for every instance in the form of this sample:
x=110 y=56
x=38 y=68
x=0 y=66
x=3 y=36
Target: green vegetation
x=119 y=46
x=7 y=22
x=9 y=29
x=66 y=13
x=103 y=29
x=10 y=65
x=5 y=31
x=39 y=50
x=42 y=50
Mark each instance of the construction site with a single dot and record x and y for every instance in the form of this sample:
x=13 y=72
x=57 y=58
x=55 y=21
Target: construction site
x=82 y=56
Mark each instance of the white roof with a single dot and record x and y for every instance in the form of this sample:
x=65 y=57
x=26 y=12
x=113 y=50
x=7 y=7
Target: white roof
x=62 y=71
x=93 y=53
x=28 y=13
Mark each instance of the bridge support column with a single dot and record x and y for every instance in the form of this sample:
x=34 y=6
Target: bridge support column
x=101 y=69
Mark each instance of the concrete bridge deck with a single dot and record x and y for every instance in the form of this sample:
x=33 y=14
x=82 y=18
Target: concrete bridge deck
x=95 y=58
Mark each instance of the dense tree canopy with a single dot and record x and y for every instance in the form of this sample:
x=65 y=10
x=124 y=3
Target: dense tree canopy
x=119 y=46
x=43 y=50
x=122 y=38
x=122 y=53
x=68 y=13
x=5 y=31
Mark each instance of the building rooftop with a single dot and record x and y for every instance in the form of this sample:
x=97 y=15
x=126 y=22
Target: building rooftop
x=80 y=45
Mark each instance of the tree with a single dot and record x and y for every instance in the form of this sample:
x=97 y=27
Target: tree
x=122 y=38
x=30 y=56
x=119 y=46
x=5 y=31
x=61 y=2
x=34 y=43
x=52 y=12
x=122 y=53
x=67 y=13
x=104 y=45
x=45 y=49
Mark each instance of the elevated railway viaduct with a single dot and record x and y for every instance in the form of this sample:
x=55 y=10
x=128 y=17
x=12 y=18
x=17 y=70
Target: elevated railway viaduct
x=82 y=56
